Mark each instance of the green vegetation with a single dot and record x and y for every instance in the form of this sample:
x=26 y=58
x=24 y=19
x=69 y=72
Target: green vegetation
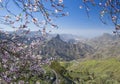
x=95 y=71
x=105 y=71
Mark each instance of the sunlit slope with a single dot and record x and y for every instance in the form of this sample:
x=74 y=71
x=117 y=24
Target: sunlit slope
x=95 y=70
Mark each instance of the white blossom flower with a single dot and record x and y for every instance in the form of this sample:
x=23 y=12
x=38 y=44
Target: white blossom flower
x=37 y=82
x=100 y=4
x=0 y=1
x=56 y=11
x=17 y=18
x=81 y=7
x=35 y=9
x=60 y=1
x=102 y=13
x=114 y=18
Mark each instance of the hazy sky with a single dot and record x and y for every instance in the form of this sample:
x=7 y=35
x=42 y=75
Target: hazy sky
x=78 y=22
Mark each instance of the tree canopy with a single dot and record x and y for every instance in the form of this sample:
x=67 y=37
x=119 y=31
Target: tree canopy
x=30 y=11
x=17 y=62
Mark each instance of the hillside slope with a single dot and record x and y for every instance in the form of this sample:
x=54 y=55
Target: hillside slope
x=94 y=71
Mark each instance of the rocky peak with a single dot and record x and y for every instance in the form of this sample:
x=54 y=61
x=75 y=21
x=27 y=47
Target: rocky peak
x=57 y=36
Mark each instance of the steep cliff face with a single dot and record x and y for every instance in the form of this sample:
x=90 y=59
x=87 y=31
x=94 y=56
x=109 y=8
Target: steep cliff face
x=68 y=51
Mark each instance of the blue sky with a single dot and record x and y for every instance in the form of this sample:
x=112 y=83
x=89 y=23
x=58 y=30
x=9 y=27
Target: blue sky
x=78 y=23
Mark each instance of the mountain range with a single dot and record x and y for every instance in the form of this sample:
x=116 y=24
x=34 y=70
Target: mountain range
x=58 y=48
x=106 y=46
x=103 y=46
x=70 y=47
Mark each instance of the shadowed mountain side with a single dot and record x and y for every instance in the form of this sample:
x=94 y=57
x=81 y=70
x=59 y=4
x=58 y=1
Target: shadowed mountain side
x=68 y=51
